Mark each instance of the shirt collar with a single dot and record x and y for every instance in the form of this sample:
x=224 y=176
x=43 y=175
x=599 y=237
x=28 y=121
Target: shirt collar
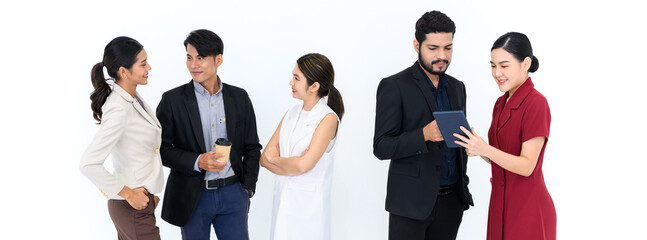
x=199 y=89
x=521 y=93
x=442 y=80
x=125 y=95
x=315 y=112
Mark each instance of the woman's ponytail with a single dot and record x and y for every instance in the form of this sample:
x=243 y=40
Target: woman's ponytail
x=335 y=101
x=101 y=91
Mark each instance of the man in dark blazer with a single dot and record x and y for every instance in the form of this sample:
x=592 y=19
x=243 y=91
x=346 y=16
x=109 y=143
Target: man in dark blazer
x=204 y=188
x=427 y=185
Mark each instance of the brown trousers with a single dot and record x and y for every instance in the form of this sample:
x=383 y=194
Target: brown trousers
x=134 y=224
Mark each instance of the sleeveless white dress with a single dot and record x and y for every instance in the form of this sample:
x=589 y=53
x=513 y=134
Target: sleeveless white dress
x=301 y=207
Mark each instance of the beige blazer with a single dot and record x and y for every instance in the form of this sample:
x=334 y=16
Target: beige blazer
x=132 y=135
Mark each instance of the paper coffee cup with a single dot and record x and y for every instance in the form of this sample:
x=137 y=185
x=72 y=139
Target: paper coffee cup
x=223 y=146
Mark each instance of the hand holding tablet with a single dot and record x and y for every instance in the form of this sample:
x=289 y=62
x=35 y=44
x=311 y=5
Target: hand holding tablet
x=449 y=122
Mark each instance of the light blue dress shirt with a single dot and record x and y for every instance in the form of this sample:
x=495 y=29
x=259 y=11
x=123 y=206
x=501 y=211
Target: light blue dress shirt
x=213 y=118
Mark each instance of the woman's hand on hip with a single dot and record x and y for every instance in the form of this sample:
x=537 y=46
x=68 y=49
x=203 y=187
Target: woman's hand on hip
x=137 y=198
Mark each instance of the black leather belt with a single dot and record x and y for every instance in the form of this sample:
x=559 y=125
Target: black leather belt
x=445 y=190
x=221 y=182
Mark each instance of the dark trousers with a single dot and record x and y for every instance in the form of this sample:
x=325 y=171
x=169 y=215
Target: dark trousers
x=442 y=223
x=225 y=208
x=134 y=224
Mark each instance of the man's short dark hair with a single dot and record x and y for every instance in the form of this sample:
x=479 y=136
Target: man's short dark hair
x=206 y=42
x=433 y=22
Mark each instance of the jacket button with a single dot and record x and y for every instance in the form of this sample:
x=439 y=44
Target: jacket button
x=157 y=150
x=418 y=152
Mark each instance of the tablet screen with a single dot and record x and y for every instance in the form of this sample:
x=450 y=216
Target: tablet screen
x=449 y=122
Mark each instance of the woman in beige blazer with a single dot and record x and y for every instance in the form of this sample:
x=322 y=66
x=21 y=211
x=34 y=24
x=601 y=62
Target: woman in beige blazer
x=130 y=132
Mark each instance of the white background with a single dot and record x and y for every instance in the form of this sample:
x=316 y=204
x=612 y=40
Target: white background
x=592 y=61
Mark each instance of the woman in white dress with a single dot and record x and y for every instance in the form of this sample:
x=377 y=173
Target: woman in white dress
x=301 y=152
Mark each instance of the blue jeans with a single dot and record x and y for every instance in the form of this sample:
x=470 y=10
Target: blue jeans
x=225 y=208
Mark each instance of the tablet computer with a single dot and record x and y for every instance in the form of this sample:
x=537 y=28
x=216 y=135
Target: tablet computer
x=449 y=122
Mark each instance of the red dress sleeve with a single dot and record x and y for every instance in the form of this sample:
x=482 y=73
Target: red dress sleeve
x=536 y=119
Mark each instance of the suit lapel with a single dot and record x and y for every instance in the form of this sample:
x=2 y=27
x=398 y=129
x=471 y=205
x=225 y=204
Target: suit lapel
x=133 y=100
x=453 y=94
x=193 y=111
x=150 y=111
x=145 y=112
x=230 y=111
x=504 y=116
x=495 y=123
x=159 y=125
x=423 y=84
x=515 y=101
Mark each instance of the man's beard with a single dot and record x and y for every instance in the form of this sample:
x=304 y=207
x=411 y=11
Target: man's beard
x=429 y=66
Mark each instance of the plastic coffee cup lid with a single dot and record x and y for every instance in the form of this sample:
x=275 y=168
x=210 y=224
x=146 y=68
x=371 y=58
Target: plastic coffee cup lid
x=223 y=142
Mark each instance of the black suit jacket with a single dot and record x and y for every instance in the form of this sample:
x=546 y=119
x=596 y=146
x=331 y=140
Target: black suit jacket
x=404 y=106
x=183 y=141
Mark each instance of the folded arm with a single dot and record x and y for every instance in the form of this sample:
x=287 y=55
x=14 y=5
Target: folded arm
x=272 y=151
x=324 y=133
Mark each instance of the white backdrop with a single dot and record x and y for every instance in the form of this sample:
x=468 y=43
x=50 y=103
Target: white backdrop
x=591 y=70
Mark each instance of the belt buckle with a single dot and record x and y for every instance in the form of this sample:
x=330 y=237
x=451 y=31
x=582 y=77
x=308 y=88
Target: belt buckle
x=206 y=184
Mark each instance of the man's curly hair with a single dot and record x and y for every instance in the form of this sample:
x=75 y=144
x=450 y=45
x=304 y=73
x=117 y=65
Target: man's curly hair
x=433 y=22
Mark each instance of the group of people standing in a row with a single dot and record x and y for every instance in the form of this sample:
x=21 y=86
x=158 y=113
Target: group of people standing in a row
x=427 y=189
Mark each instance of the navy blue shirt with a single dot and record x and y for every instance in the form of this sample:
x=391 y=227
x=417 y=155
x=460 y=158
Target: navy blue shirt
x=448 y=168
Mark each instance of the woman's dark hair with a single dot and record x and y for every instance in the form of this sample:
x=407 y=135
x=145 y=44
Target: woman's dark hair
x=206 y=42
x=433 y=22
x=519 y=46
x=317 y=68
x=120 y=52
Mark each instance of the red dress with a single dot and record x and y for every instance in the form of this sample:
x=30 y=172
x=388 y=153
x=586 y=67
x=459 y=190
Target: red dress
x=520 y=207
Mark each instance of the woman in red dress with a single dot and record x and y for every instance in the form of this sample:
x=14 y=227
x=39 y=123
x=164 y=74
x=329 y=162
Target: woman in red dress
x=520 y=205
